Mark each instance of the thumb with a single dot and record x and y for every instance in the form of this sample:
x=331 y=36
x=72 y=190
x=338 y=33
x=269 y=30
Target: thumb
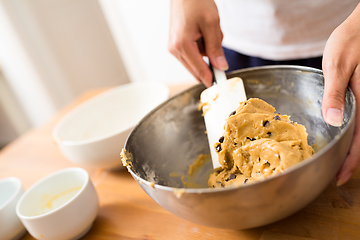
x=334 y=95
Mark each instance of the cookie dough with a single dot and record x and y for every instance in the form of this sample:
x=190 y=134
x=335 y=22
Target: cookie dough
x=258 y=143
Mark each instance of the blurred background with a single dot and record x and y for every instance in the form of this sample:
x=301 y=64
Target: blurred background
x=51 y=51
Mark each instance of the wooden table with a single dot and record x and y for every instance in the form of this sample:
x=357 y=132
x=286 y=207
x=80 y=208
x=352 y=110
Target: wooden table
x=127 y=212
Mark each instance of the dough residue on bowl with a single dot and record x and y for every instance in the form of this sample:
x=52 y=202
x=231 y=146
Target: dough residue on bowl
x=258 y=143
x=191 y=179
x=126 y=158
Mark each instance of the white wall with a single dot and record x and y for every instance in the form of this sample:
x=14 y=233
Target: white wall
x=21 y=76
x=12 y=121
x=141 y=29
x=53 y=50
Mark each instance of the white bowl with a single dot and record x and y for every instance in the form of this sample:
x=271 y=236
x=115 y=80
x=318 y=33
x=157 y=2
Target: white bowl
x=63 y=205
x=10 y=192
x=94 y=133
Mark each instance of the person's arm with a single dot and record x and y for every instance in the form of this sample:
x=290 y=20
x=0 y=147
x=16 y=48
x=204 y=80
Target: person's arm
x=341 y=67
x=195 y=32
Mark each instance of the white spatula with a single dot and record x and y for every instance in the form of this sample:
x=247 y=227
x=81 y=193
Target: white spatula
x=219 y=101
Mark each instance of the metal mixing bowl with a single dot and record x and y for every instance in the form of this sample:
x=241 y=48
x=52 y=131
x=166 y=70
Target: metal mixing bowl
x=169 y=139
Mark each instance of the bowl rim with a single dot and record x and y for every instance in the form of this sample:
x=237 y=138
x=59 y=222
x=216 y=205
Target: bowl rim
x=101 y=96
x=18 y=186
x=45 y=179
x=271 y=178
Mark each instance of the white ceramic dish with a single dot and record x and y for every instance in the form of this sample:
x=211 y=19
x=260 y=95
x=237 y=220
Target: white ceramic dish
x=10 y=192
x=94 y=133
x=63 y=205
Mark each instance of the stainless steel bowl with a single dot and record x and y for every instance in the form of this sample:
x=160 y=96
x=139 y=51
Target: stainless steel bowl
x=171 y=137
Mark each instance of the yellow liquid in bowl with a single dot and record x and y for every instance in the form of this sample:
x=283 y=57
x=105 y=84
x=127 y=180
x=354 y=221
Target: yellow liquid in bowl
x=50 y=203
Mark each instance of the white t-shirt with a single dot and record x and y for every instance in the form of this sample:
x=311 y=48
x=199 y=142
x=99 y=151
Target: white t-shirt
x=281 y=29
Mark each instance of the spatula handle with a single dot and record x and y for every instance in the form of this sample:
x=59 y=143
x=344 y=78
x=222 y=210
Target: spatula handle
x=218 y=75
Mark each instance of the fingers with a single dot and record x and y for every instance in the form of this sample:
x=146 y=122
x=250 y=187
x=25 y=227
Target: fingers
x=340 y=67
x=188 y=67
x=188 y=53
x=337 y=72
x=213 y=36
x=353 y=158
x=336 y=82
x=194 y=58
x=188 y=23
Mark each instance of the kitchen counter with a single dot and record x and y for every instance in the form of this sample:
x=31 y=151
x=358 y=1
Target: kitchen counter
x=127 y=212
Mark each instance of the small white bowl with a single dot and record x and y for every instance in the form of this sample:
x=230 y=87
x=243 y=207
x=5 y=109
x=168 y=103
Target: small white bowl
x=63 y=205
x=94 y=133
x=10 y=192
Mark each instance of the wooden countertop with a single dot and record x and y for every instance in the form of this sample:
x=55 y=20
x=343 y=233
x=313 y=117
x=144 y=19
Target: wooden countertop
x=127 y=212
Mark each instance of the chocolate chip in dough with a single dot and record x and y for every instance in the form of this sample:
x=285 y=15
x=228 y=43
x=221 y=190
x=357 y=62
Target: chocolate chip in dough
x=218 y=148
x=232 y=176
x=233 y=113
x=246 y=180
x=221 y=139
x=266 y=123
x=251 y=139
x=220 y=184
x=269 y=134
x=277 y=117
